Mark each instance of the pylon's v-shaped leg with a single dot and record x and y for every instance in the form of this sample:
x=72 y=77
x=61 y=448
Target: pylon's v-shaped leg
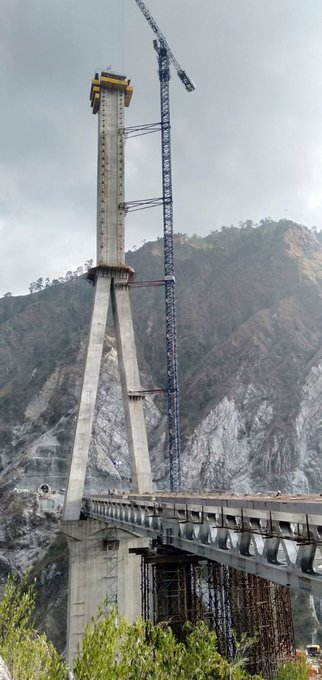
x=79 y=458
x=131 y=389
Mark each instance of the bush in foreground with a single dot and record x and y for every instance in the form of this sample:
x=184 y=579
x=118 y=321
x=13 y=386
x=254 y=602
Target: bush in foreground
x=122 y=651
x=113 y=649
x=28 y=655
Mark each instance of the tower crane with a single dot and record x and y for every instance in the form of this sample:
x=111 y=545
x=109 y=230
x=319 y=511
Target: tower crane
x=165 y=57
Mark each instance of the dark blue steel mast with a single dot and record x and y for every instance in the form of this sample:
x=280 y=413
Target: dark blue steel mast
x=169 y=275
x=164 y=57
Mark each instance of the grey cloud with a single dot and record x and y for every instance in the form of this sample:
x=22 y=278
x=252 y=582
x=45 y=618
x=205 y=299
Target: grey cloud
x=246 y=143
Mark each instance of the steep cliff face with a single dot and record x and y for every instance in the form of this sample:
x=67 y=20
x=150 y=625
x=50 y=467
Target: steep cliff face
x=264 y=432
x=39 y=454
x=239 y=446
x=258 y=393
x=41 y=441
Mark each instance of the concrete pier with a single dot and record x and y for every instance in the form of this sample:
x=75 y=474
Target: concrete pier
x=101 y=571
x=110 y=174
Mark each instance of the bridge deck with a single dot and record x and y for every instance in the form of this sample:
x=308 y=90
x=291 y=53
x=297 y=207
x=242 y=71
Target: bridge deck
x=277 y=537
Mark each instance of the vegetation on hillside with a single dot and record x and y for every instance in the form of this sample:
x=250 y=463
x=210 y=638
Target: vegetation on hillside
x=225 y=239
x=113 y=649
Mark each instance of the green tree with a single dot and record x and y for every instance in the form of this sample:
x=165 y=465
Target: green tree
x=294 y=670
x=88 y=264
x=28 y=655
x=113 y=649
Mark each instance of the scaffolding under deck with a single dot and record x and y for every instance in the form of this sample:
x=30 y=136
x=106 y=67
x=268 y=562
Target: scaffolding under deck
x=179 y=587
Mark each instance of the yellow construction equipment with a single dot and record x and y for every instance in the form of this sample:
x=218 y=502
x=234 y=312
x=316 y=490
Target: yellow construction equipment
x=112 y=81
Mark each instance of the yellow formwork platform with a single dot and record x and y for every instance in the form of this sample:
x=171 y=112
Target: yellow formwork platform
x=109 y=81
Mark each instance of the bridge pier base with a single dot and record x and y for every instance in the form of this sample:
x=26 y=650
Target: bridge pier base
x=100 y=568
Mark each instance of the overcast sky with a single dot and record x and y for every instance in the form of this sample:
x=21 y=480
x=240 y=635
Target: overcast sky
x=247 y=143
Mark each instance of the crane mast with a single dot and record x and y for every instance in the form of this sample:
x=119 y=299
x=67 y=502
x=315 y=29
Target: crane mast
x=169 y=276
x=165 y=56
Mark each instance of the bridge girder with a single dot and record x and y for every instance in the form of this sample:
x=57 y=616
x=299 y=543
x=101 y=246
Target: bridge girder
x=277 y=539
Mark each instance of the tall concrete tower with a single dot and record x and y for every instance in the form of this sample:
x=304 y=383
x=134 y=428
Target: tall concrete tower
x=109 y=94
x=100 y=564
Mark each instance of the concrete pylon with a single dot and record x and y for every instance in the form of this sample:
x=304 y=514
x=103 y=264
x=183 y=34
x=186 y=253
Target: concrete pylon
x=96 y=570
x=109 y=94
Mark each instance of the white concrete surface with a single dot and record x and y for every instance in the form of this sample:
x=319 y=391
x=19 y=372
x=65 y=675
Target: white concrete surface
x=89 y=574
x=130 y=382
x=110 y=179
x=129 y=575
x=86 y=579
x=84 y=423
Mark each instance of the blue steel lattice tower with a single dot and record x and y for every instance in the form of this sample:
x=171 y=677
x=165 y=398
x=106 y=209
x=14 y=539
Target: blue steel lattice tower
x=165 y=56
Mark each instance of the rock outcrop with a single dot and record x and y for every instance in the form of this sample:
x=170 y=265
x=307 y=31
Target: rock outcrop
x=4 y=673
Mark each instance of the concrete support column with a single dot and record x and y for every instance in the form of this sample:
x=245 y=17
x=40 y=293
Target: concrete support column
x=129 y=599
x=99 y=564
x=88 y=556
x=77 y=472
x=131 y=389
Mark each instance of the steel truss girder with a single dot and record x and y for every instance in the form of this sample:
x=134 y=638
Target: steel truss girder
x=278 y=541
x=141 y=204
x=140 y=130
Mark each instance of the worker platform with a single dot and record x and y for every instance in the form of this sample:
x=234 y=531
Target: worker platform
x=109 y=81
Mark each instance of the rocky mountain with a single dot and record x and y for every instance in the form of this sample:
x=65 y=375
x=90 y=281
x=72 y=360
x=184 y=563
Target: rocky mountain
x=250 y=363
x=249 y=342
x=258 y=389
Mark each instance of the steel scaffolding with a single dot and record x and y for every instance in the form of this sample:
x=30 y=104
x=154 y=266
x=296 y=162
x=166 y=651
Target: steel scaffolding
x=112 y=545
x=180 y=587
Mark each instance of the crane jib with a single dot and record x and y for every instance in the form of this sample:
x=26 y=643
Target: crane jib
x=188 y=83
